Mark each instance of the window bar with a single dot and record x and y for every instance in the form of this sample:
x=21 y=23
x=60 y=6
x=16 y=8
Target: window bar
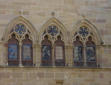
x=20 y=52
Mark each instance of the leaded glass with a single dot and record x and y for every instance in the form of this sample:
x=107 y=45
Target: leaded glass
x=46 y=52
x=52 y=30
x=59 y=52
x=90 y=52
x=27 y=51
x=12 y=51
x=83 y=31
x=78 y=54
x=20 y=29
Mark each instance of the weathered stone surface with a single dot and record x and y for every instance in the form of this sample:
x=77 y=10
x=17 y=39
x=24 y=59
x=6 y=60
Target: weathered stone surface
x=68 y=15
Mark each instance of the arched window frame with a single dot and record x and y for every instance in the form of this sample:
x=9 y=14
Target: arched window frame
x=52 y=32
x=91 y=45
x=13 y=42
x=20 y=30
x=61 y=30
x=46 y=42
x=84 y=32
x=78 y=43
x=59 y=43
x=27 y=42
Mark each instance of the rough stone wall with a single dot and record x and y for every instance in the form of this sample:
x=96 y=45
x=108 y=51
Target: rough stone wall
x=50 y=76
x=69 y=13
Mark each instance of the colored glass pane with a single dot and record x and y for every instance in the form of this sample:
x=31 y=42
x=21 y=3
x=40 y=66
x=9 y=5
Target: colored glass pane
x=90 y=52
x=78 y=53
x=46 y=52
x=12 y=51
x=52 y=30
x=27 y=51
x=83 y=31
x=20 y=29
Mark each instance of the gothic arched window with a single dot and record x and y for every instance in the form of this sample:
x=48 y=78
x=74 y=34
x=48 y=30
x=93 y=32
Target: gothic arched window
x=46 y=52
x=20 y=50
x=13 y=51
x=27 y=51
x=59 y=52
x=78 y=52
x=90 y=53
x=85 y=51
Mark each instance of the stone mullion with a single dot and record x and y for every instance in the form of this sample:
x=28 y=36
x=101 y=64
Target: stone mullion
x=20 y=53
x=34 y=54
x=53 y=57
x=84 y=54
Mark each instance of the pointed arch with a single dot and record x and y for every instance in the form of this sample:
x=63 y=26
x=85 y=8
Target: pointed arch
x=91 y=27
x=91 y=53
x=59 y=52
x=24 y=21
x=56 y=22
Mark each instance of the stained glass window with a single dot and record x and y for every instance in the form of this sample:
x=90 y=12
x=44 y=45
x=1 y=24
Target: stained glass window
x=90 y=53
x=78 y=52
x=59 y=52
x=13 y=51
x=52 y=30
x=20 y=29
x=46 y=55
x=46 y=52
x=27 y=51
x=18 y=54
x=83 y=31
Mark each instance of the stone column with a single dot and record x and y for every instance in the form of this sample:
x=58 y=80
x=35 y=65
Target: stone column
x=71 y=57
x=68 y=55
x=98 y=59
x=100 y=52
x=38 y=55
x=4 y=53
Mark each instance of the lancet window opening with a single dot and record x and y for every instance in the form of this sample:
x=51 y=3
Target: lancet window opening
x=84 y=51
x=55 y=46
x=20 y=49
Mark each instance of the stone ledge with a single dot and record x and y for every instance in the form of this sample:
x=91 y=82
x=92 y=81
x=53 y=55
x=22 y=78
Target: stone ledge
x=56 y=68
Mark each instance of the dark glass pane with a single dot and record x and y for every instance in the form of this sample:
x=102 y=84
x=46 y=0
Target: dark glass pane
x=46 y=55
x=46 y=52
x=91 y=56
x=20 y=29
x=83 y=31
x=78 y=56
x=78 y=53
x=90 y=51
x=52 y=30
x=12 y=51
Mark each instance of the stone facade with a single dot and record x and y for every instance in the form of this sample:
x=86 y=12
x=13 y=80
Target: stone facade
x=68 y=16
